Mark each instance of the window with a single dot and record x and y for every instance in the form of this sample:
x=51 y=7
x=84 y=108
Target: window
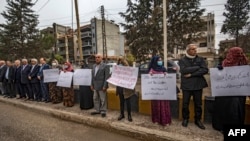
x=203 y=44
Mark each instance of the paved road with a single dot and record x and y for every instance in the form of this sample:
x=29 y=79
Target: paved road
x=17 y=124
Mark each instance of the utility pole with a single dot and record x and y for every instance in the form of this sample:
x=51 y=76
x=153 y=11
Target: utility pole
x=66 y=48
x=104 y=35
x=165 y=50
x=79 y=40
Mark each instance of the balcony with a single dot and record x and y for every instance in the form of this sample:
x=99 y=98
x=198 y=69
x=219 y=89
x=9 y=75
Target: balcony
x=86 y=44
x=86 y=34
x=87 y=53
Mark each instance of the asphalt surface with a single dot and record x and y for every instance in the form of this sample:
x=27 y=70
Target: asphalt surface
x=17 y=124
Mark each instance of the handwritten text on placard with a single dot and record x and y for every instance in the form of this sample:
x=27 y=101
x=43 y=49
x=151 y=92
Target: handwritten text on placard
x=124 y=76
x=158 y=87
x=231 y=81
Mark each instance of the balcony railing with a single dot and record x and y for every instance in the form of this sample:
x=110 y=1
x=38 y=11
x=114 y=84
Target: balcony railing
x=86 y=34
x=86 y=44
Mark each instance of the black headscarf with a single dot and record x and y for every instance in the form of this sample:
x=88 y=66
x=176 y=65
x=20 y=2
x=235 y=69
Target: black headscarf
x=153 y=65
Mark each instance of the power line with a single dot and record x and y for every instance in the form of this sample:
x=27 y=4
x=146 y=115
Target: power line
x=43 y=6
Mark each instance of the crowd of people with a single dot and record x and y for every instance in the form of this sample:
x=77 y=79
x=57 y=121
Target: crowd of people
x=26 y=80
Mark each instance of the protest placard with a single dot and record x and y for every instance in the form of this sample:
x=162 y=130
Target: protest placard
x=231 y=81
x=82 y=77
x=65 y=79
x=50 y=75
x=124 y=76
x=158 y=87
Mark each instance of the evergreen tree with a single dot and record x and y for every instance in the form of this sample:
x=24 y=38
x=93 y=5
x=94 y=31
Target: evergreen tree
x=236 y=18
x=19 y=34
x=144 y=25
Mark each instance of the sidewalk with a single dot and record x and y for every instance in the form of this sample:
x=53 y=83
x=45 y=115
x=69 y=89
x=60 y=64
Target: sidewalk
x=141 y=128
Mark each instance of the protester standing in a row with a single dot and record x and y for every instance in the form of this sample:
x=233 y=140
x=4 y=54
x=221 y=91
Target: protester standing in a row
x=192 y=68
x=68 y=93
x=160 y=109
x=55 y=92
x=124 y=95
x=34 y=82
x=86 y=94
x=17 y=78
x=99 y=84
x=3 y=69
x=44 y=86
x=230 y=110
x=25 y=83
x=8 y=80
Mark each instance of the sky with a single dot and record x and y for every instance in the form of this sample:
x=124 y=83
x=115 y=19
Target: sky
x=61 y=11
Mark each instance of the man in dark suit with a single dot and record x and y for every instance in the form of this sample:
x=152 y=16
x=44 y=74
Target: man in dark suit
x=17 y=78
x=8 y=80
x=35 y=83
x=3 y=69
x=100 y=74
x=25 y=82
x=44 y=86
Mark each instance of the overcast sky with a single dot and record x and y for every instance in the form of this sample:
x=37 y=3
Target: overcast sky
x=60 y=11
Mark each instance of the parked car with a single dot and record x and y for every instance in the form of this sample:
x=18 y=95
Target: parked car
x=111 y=66
x=173 y=67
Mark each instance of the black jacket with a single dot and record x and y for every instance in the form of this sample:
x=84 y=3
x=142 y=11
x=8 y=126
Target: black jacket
x=10 y=77
x=33 y=74
x=24 y=74
x=197 y=67
x=2 y=73
x=17 y=74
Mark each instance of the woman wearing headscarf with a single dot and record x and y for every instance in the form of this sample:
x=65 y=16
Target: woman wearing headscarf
x=160 y=109
x=68 y=93
x=55 y=92
x=230 y=109
x=124 y=95
x=86 y=94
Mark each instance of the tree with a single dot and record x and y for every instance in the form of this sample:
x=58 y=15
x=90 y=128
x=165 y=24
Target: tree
x=236 y=18
x=144 y=25
x=19 y=34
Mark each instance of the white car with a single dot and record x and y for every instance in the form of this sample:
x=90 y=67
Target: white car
x=111 y=66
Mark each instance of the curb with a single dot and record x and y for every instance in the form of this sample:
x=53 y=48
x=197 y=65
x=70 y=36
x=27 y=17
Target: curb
x=137 y=132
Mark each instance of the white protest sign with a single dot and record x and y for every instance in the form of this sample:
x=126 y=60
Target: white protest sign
x=158 y=87
x=124 y=76
x=231 y=81
x=82 y=77
x=51 y=75
x=65 y=79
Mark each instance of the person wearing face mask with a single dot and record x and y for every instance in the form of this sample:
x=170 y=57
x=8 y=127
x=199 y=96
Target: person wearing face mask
x=124 y=95
x=160 y=109
x=54 y=91
x=68 y=93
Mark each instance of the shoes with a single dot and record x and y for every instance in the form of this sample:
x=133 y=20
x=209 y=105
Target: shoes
x=199 y=124
x=103 y=115
x=94 y=113
x=130 y=118
x=185 y=123
x=121 y=117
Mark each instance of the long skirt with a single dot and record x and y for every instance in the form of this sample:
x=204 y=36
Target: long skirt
x=55 y=93
x=229 y=110
x=68 y=96
x=161 y=112
x=86 y=97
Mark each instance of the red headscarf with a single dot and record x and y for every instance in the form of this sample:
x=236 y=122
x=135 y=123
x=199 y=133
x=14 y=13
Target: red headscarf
x=69 y=68
x=235 y=57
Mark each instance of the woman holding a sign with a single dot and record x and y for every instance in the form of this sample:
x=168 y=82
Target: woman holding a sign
x=55 y=92
x=68 y=93
x=160 y=109
x=124 y=95
x=230 y=109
